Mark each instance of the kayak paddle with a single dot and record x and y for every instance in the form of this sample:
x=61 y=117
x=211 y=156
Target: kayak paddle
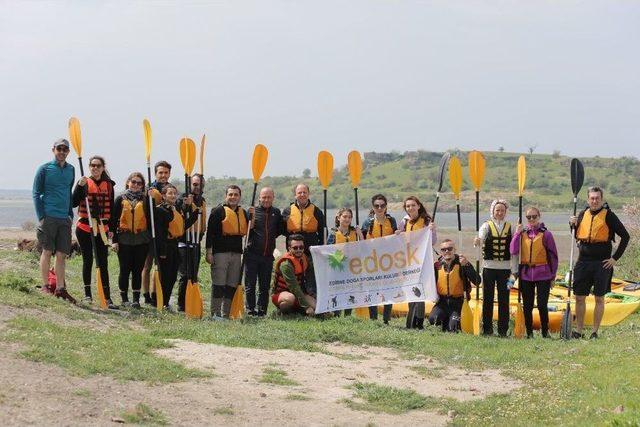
x=354 y=164
x=443 y=164
x=157 y=284
x=258 y=163
x=325 y=174
x=76 y=141
x=577 y=179
x=519 y=328
x=476 y=173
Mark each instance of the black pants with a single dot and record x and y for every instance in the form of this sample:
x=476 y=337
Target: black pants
x=386 y=312
x=131 y=258
x=194 y=261
x=257 y=269
x=492 y=279
x=169 y=270
x=84 y=240
x=528 y=290
x=446 y=313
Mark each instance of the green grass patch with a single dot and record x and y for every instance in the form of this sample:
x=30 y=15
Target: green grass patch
x=223 y=411
x=82 y=392
x=276 y=376
x=429 y=371
x=378 y=398
x=144 y=415
x=121 y=354
x=296 y=396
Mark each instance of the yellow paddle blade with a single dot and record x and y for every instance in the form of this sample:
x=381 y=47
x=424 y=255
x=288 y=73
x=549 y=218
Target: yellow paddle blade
x=146 y=126
x=362 y=313
x=187 y=154
x=466 y=318
x=455 y=176
x=158 y=288
x=476 y=169
x=237 y=304
x=477 y=315
x=197 y=301
x=325 y=168
x=193 y=301
x=75 y=136
x=101 y=297
x=354 y=164
x=519 y=328
x=202 y=144
x=259 y=161
x=522 y=174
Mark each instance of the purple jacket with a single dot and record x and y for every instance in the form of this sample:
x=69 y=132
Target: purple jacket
x=538 y=272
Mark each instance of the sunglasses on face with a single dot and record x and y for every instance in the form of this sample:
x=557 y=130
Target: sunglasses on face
x=62 y=149
x=135 y=182
x=532 y=217
x=95 y=165
x=298 y=248
x=379 y=206
x=448 y=249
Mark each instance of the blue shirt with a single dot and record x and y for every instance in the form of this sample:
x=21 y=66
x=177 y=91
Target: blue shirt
x=52 y=190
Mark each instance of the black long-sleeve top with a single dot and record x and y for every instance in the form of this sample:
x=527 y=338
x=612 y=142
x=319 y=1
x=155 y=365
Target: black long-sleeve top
x=267 y=227
x=163 y=215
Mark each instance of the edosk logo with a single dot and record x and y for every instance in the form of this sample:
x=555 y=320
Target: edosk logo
x=384 y=262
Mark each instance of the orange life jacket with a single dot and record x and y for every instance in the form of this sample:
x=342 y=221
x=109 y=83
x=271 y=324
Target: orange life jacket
x=176 y=226
x=450 y=284
x=414 y=225
x=593 y=228
x=133 y=218
x=234 y=222
x=533 y=251
x=300 y=266
x=350 y=237
x=302 y=221
x=99 y=198
x=380 y=230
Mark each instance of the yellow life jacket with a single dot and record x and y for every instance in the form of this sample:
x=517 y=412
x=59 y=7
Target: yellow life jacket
x=351 y=237
x=176 y=226
x=156 y=196
x=133 y=218
x=496 y=245
x=593 y=228
x=381 y=230
x=203 y=217
x=412 y=226
x=533 y=251
x=302 y=221
x=234 y=224
x=450 y=284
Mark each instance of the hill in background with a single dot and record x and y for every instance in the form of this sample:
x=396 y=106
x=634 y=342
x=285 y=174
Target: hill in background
x=399 y=175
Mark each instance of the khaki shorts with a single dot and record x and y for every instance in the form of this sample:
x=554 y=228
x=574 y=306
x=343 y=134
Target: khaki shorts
x=225 y=270
x=54 y=234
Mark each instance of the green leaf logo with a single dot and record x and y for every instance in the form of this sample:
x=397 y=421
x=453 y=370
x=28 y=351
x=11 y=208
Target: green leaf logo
x=337 y=260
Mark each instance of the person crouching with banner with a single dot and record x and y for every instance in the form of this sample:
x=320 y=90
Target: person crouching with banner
x=416 y=218
x=379 y=224
x=538 y=267
x=289 y=279
x=454 y=275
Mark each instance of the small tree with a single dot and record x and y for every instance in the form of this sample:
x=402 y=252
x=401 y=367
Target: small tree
x=501 y=149
x=532 y=148
x=306 y=173
x=556 y=154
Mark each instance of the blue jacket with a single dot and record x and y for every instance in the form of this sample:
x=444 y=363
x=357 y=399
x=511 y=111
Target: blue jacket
x=52 y=190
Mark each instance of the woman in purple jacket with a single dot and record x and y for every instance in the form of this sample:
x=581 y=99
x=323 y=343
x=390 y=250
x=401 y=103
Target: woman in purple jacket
x=538 y=265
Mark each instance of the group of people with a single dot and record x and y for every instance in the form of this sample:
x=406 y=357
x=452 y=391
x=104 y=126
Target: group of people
x=155 y=223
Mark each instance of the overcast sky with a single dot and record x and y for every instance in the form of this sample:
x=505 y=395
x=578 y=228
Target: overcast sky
x=301 y=76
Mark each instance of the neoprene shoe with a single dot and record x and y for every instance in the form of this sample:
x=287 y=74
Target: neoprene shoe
x=62 y=293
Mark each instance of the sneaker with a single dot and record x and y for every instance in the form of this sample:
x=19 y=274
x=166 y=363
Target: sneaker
x=576 y=335
x=219 y=318
x=252 y=313
x=62 y=293
x=111 y=305
x=46 y=289
x=594 y=336
x=126 y=304
x=135 y=305
x=546 y=335
x=87 y=299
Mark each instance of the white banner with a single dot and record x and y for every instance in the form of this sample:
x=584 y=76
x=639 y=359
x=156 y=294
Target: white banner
x=385 y=270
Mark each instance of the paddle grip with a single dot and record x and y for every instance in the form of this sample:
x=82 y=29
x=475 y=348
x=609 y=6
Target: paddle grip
x=355 y=191
x=435 y=206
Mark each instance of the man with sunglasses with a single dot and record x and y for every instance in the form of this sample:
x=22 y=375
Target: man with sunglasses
x=289 y=279
x=52 y=199
x=190 y=240
x=454 y=275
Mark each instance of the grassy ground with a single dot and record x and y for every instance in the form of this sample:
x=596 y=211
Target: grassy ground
x=565 y=382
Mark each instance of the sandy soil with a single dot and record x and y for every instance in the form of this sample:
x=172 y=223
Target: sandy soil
x=44 y=394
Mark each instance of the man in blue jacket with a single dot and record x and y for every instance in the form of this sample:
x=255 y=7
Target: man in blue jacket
x=52 y=199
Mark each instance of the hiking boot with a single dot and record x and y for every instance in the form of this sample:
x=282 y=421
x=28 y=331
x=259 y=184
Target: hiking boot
x=111 y=305
x=594 y=336
x=545 y=334
x=126 y=304
x=576 y=335
x=62 y=293
x=135 y=305
x=46 y=289
x=147 y=298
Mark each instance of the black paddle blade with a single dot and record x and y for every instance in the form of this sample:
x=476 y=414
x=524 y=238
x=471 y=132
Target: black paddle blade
x=565 y=329
x=577 y=176
x=443 y=165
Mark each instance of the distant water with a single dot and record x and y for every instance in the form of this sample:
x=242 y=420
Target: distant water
x=16 y=207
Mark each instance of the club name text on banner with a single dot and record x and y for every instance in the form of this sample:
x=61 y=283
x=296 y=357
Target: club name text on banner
x=385 y=270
